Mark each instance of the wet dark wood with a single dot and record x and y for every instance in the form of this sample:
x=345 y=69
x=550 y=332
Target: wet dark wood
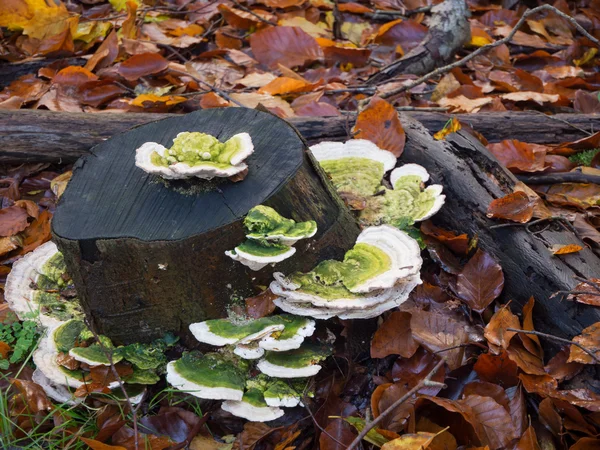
x=472 y=178
x=148 y=257
x=10 y=71
x=35 y=136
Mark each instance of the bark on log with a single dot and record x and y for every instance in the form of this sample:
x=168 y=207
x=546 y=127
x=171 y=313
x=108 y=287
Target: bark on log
x=147 y=257
x=36 y=136
x=472 y=178
x=448 y=31
x=9 y=72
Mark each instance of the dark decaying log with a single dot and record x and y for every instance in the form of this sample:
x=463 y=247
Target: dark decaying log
x=10 y=71
x=472 y=178
x=448 y=31
x=34 y=136
x=147 y=257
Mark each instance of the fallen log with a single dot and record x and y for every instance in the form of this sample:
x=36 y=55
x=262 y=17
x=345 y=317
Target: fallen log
x=148 y=257
x=59 y=137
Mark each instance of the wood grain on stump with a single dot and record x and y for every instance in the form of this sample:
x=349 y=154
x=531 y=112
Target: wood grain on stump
x=147 y=256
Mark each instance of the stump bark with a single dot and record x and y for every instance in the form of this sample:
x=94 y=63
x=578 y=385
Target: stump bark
x=148 y=256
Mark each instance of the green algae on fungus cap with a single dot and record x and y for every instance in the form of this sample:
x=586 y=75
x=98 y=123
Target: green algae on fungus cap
x=252 y=407
x=66 y=335
x=256 y=254
x=280 y=393
x=195 y=154
x=24 y=296
x=96 y=355
x=211 y=376
x=263 y=222
x=356 y=166
x=298 y=363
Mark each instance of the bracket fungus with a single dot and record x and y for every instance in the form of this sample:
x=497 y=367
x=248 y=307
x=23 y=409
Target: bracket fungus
x=195 y=154
x=270 y=238
x=298 y=363
x=377 y=274
x=253 y=407
x=356 y=166
x=38 y=284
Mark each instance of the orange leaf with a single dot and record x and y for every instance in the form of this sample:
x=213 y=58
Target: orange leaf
x=379 y=123
x=142 y=65
x=519 y=156
x=150 y=100
x=394 y=337
x=480 y=282
x=289 y=46
x=34 y=395
x=212 y=100
x=284 y=85
x=558 y=249
x=4 y=350
x=517 y=207
x=590 y=339
x=97 y=445
x=452 y=127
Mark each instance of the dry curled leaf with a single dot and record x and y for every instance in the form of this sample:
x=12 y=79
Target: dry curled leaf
x=517 y=207
x=480 y=282
x=380 y=124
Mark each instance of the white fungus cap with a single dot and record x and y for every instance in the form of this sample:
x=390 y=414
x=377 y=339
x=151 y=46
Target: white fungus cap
x=354 y=148
x=143 y=160
x=276 y=371
x=409 y=169
x=175 y=379
x=206 y=172
x=202 y=333
x=282 y=345
x=57 y=392
x=435 y=190
x=248 y=351
x=254 y=262
x=244 y=141
x=251 y=412
x=283 y=401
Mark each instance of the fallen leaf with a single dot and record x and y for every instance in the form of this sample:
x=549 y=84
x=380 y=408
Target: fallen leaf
x=579 y=195
x=261 y=305
x=285 y=85
x=528 y=441
x=289 y=46
x=519 y=156
x=13 y=220
x=394 y=337
x=591 y=295
x=33 y=394
x=142 y=65
x=379 y=123
x=338 y=435
x=480 y=282
x=496 y=330
x=458 y=243
x=517 y=207
x=561 y=370
x=590 y=339
x=497 y=429
x=97 y=445
x=408 y=372
x=420 y=440
x=451 y=127
x=559 y=249
x=463 y=104
x=497 y=369
x=4 y=350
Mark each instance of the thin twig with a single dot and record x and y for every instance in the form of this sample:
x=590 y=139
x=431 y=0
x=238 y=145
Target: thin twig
x=560 y=120
x=559 y=339
x=213 y=88
x=317 y=423
x=424 y=382
x=249 y=11
x=115 y=373
x=485 y=48
x=527 y=225
x=590 y=282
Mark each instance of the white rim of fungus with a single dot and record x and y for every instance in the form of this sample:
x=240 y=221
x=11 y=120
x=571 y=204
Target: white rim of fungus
x=254 y=262
x=248 y=352
x=143 y=160
x=245 y=141
x=283 y=401
x=304 y=309
x=250 y=412
x=281 y=345
x=282 y=239
x=44 y=358
x=83 y=359
x=207 y=172
x=437 y=204
x=55 y=391
x=403 y=251
x=197 y=390
x=409 y=169
x=354 y=148
x=202 y=333
x=276 y=371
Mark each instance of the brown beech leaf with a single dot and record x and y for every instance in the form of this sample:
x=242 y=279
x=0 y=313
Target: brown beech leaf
x=519 y=156
x=497 y=369
x=33 y=394
x=97 y=445
x=528 y=441
x=458 y=243
x=561 y=370
x=517 y=207
x=4 y=350
x=586 y=443
x=486 y=389
x=579 y=195
x=261 y=305
x=591 y=295
x=289 y=46
x=342 y=433
x=517 y=407
x=142 y=65
x=394 y=337
x=497 y=429
x=496 y=330
x=409 y=441
x=13 y=220
x=590 y=339
x=380 y=124
x=480 y=282
x=546 y=386
x=409 y=372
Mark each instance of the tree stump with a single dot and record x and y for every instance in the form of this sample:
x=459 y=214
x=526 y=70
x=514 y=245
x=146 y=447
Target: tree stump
x=147 y=256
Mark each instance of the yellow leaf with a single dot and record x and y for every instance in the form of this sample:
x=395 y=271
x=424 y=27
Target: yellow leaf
x=558 y=249
x=168 y=100
x=479 y=41
x=451 y=127
x=190 y=30
x=418 y=441
x=354 y=31
x=90 y=31
x=318 y=30
x=59 y=184
x=121 y=5
x=586 y=58
x=38 y=19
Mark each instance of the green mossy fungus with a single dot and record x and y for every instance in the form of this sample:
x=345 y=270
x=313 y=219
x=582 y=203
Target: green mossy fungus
x=263 y=222
x=212 y=370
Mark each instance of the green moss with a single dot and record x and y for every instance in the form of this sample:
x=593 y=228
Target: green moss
x=263 y=221
x=260 y=247
x=198 y=149
x=292 y=325
x=67 y=334
x=54 y=305
x=362 y=263
x=584 y=158
x=97 y=354
x=142 y=377
x=211 y=370
x=77 y=374
x=306 y=355
x=358 y=176
x=280 y=389
x=147 y=356
x=254 y=397
x=228 y=329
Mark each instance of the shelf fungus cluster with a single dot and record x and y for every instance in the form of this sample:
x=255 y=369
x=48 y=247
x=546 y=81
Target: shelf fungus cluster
x=357 y=169
x=285 y=363
x=38 y=286
x=68 y=353
x=270 y=238
x=195 y=154
x=376 y=275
